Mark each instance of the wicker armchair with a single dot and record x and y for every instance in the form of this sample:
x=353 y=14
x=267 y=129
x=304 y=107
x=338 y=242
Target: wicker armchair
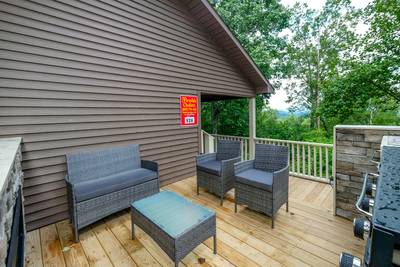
x=263 y=183
x=215 y=170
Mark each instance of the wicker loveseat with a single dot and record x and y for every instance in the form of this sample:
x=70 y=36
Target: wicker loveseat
x=215 y=170
x=103 y=182
x=263 y=183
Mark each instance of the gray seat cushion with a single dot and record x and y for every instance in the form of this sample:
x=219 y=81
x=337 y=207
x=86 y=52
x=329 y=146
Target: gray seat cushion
x=211 y=166
x=101 y=186
x=257 y=178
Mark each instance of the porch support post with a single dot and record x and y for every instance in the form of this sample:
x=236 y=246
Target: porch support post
x=252 y=126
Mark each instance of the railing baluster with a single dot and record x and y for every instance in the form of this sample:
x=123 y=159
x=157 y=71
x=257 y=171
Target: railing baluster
x=315 y=161
x=245 y=149
x=304 y=160
x=241 y=149
x=327 y=163
x=293 y=168
x=320 y=162
x=309 y=160
x=298 y=158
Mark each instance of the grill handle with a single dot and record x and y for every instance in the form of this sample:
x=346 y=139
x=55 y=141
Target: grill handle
x=363 y=193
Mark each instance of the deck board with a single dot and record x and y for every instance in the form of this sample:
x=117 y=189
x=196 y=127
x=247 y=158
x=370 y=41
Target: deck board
x=308 y=235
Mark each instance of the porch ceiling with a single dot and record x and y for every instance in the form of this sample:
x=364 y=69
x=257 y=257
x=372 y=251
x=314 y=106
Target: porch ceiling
x=212 y=97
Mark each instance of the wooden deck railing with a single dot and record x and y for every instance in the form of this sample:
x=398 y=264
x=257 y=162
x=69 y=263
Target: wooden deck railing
x=307 y=160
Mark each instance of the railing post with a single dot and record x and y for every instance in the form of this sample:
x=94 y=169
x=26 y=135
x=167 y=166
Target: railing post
x=252 y=126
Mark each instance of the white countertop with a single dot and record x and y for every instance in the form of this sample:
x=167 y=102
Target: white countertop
x=8 y=150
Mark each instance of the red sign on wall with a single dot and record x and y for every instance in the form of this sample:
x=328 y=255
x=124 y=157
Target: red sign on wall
x=189 y=110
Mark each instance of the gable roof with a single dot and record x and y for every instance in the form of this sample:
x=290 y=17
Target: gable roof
x=214 y=24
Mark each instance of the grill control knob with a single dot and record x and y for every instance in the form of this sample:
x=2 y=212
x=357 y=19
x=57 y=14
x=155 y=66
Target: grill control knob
x=371 y=189
x=360 y=226
x=367 y=204
x=348 y=260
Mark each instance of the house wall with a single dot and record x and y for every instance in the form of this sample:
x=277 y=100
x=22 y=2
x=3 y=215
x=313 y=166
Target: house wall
x=85 y=75
x=355 y=147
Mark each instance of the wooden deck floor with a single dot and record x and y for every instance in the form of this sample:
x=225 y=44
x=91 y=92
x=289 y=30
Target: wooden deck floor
x=306 y=236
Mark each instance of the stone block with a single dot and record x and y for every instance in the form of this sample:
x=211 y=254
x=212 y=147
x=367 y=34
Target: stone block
x=351 y=184
x=349 y=137
x=380 y=132
x=376 y=146
x=344 y=165
x=362 y=144
x=344 y=143
x=342 y=176
x=342 y=199
x=374 y=138
x=357 y=179
x=365 y=168
x=344 y=213
x=350 y=130
x=352 y=150
x=349 y=172
x=345 y=206
x=394 y=132
x=346 y=195
x=347 y=199
x=352 y=158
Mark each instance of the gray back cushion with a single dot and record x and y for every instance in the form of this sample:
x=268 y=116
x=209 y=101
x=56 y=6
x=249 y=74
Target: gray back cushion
x=227 y=149
x=271 y=157
x=84 y=166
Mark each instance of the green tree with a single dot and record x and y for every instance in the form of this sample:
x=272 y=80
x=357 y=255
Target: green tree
x=256 y=24
x=338 y=75
x=232 y=116
x=368 y=91
x=321 y=44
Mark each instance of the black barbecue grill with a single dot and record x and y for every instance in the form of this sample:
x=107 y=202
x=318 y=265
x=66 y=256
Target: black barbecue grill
x=379 y=202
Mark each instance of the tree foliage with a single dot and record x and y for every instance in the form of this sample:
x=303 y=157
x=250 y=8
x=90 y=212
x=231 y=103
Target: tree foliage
x=334 y=72
x=321 y=44
x=257 y=24
x=229 y=117
x=367 y=90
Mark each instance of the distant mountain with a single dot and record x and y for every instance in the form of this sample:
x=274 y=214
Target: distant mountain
x=284 y=113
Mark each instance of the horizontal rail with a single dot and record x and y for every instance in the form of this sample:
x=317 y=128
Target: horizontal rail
x=294 y=142
x=230 y=136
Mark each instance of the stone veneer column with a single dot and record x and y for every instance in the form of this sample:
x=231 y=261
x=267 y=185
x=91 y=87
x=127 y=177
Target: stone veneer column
x=10 y=181
x=355 y=146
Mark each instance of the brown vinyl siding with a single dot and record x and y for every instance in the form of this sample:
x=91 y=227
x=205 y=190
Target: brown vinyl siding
x=86 y=75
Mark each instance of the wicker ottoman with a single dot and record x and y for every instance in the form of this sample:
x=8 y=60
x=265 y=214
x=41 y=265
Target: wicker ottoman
x=175 y=224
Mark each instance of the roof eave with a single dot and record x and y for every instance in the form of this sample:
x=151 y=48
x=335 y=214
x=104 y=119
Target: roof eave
x=261 y=84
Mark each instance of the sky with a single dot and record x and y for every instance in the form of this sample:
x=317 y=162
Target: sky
x=278 y=100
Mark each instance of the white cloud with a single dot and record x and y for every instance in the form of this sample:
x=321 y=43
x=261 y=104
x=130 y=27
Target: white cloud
x=278 y=100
